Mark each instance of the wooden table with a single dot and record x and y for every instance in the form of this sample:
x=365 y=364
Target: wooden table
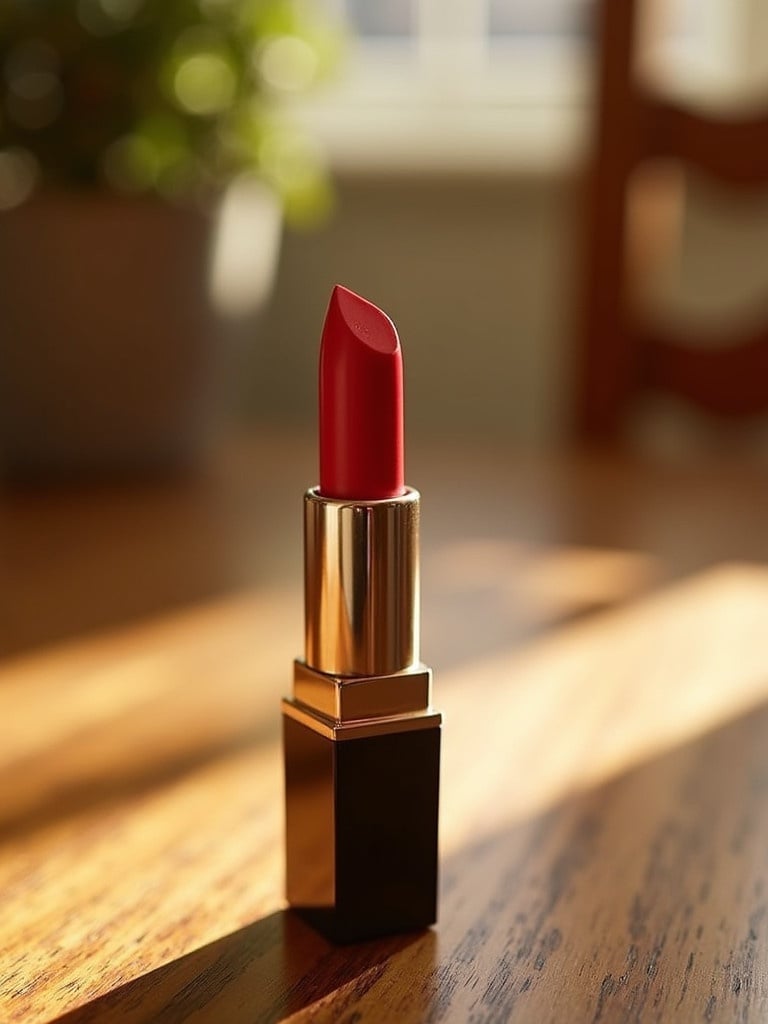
x=605 y=774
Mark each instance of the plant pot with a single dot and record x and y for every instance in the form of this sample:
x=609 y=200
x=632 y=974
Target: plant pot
x=112 y=354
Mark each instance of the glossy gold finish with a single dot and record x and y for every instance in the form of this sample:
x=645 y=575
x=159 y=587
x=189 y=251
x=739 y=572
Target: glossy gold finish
x=310 y=817
x=346 y=699
x=361 y=585
x=382 y=726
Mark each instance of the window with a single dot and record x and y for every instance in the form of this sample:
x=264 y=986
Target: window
x=457 y=50
x=456 y=84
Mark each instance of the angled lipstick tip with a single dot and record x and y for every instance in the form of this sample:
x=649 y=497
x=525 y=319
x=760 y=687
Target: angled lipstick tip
x=360 y=401
x=364 y=321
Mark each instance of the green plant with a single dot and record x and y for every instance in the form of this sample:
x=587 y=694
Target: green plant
x=174 y=97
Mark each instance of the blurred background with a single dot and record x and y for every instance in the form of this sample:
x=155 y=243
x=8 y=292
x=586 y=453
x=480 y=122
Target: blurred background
x=563 y=207
x=463 y=137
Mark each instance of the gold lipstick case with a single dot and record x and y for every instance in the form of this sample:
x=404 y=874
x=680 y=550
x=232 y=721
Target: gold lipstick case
x=361 y=740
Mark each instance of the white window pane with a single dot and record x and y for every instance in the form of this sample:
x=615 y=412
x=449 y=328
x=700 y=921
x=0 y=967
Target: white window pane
x=538 y=17
x=685 y=16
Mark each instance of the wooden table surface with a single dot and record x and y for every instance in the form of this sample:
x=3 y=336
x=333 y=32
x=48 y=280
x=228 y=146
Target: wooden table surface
x=602 y=664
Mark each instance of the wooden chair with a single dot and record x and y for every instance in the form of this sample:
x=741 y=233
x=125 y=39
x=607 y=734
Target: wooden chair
x=620 y=355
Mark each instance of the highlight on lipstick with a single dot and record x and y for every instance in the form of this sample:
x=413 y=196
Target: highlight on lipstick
x=361 y=401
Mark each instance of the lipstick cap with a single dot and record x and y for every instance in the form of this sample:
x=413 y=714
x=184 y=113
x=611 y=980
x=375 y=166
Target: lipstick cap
x=362 y=807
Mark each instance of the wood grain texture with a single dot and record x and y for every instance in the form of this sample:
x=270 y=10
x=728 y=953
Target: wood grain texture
x=604 y=819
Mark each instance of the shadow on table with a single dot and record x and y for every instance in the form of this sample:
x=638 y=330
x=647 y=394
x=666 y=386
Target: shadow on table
x=261 y=974
x=64 y=791
x=643 y=896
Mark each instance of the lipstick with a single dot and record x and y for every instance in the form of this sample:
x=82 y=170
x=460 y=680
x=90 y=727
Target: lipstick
x=361 y=401
x=361 y=739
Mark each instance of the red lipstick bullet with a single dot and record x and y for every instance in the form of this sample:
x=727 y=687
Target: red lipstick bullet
x=361 y=401
x=361 y=739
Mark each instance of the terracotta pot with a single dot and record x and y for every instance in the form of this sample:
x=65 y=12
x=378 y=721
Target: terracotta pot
x=110 y=349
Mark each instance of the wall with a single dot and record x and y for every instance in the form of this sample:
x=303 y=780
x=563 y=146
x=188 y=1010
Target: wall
x=477 y=274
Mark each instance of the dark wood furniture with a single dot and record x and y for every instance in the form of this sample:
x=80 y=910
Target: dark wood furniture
x=619 y=354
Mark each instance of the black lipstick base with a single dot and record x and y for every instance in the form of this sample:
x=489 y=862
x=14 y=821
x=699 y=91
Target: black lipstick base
x=361 y=823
